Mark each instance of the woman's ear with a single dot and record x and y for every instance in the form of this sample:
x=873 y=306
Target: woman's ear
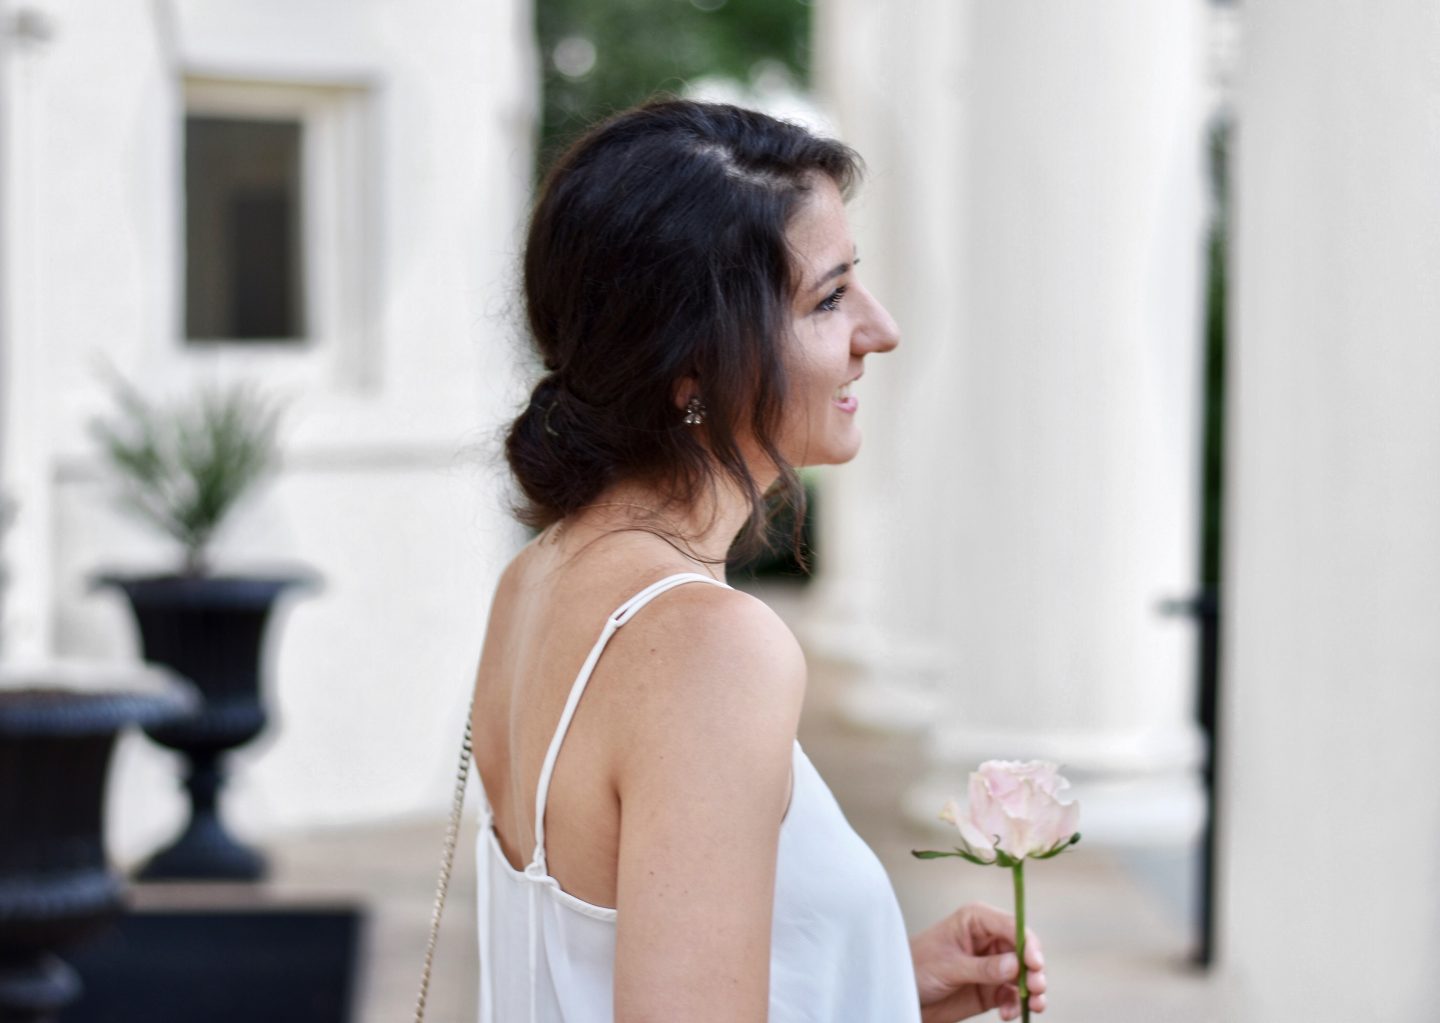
x=686 y=388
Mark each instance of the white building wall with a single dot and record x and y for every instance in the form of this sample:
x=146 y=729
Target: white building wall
x=388 y=487
x=1329 y=813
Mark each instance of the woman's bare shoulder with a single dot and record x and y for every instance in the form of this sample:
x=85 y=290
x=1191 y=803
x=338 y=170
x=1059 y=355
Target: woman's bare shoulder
x=718 y=615
x=714 y=629
x=704 y=664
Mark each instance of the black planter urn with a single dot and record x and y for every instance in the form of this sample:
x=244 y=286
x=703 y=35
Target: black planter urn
x=56 y=887
x=211 y=630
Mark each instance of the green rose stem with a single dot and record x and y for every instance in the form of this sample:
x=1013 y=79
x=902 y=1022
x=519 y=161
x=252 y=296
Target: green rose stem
x=1018 y=872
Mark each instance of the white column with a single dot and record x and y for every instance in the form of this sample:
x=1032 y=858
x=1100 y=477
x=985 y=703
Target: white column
x=1072 y=416
x=892 y=77
x=1331 y=679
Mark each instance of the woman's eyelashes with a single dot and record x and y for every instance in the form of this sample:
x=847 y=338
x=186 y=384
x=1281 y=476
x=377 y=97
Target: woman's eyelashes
x=832 y=301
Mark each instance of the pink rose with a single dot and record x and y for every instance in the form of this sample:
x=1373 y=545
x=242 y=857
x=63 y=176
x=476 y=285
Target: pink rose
x=1015 y=809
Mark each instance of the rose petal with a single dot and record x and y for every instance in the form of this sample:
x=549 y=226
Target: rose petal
x=950 y=812
x=1053 y=823
x=975 y=842
x=1014 y=806
x=984 y=811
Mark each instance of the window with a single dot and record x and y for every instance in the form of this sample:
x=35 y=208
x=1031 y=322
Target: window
x=244 y=260
x=275 y=227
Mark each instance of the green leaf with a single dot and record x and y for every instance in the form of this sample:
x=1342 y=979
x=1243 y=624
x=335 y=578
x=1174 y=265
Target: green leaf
x=1058 y=848
x=930 y=854
x=976 y=859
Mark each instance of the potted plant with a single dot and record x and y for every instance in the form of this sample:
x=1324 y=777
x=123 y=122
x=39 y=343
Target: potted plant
x=184 y=470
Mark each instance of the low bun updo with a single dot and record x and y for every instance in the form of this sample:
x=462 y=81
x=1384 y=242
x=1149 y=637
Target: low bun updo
x=657 y=251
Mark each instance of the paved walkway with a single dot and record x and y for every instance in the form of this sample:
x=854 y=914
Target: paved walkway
x=1116 y=940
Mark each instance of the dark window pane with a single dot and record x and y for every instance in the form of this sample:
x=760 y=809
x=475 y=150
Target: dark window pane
x=243 y=265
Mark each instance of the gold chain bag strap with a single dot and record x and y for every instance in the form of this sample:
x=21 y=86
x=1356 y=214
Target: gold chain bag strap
x=447 y=861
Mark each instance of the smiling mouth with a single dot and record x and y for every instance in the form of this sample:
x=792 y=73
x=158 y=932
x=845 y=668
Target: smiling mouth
x=843 y=399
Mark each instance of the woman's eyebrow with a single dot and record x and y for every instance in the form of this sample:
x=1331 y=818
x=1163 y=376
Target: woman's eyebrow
x=836 y=271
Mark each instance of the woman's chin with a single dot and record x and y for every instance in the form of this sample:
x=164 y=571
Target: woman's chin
x=849 y=447
x=835 y=454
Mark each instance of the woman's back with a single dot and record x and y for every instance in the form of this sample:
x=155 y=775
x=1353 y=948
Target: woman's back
x=545 y=617
x=553 y=947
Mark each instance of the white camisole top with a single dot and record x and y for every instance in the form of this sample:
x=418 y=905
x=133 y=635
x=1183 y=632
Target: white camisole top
x=838 y=946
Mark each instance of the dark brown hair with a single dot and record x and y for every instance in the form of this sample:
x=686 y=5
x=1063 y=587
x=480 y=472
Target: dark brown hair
x=657 y=250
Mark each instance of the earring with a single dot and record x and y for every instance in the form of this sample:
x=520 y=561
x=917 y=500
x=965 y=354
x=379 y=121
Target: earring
x=694 y=411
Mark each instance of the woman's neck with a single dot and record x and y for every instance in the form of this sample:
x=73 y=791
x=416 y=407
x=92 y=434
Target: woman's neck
x=703 y=530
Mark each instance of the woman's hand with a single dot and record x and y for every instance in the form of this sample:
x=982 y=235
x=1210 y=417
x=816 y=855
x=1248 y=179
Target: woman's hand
x=966 y=965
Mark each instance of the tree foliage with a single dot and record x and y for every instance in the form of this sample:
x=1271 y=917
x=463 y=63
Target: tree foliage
x=645 y=46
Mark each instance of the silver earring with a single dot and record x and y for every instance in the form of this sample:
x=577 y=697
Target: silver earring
x=694 y=411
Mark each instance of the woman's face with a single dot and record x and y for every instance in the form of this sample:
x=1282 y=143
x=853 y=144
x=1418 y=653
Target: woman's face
x=834 y=323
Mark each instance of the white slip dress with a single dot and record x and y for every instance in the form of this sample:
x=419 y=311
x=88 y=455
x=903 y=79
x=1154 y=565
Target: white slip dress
x=839 y=952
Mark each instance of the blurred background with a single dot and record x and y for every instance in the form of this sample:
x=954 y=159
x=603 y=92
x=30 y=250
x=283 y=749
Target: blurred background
x=1151 y=489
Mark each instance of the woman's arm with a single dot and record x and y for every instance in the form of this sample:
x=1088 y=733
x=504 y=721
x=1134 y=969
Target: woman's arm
x=717 y=682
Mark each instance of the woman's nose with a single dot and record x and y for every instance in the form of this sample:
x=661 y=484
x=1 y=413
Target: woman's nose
x=880 y=333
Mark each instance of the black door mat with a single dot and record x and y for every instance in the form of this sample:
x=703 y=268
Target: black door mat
x=220 y=967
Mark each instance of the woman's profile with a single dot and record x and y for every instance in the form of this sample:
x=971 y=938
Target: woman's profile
x=655 y=844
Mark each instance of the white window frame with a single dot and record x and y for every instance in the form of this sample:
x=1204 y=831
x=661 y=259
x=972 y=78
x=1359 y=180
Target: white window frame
x=337 y=227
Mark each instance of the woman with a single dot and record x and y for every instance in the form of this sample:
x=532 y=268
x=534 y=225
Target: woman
x=664 y=850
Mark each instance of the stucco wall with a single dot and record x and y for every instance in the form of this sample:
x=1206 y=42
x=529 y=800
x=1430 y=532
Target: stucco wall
x=387 y=489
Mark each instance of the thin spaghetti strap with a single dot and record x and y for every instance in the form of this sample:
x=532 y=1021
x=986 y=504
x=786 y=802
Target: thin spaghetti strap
x=618 y=617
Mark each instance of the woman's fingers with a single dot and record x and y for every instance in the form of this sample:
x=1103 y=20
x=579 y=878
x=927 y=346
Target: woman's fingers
x=987 y=970
x=1008 y=1002
x=998 y=924
x=992 y=971
x=1034 y=956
